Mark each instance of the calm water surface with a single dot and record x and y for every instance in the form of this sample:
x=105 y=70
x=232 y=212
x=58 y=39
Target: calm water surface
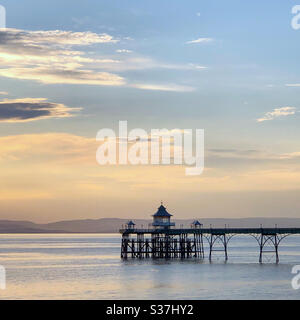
x=88 y=266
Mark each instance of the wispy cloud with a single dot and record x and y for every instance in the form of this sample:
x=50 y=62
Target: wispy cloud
x=291 y=155
x=239 y=154
x=30 y=109
x=278 y=112
x=200 y=40
x=64 y=76
x=139 y=62
x=123 y=51
x=57 y=147
x=11 y=37
x=197 y=67
x=163 y=87
x=292 y=85
x=50 y=57
x=65 y=57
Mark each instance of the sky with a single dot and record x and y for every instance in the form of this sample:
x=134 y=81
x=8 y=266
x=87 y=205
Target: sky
x=71 y=68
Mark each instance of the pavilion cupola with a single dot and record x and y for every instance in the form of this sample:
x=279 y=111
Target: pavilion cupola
x=162 y=218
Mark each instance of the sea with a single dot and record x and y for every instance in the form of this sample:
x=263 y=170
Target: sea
x=88 y=266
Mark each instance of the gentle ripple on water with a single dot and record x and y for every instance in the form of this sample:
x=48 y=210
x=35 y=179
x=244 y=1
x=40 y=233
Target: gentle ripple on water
x=88 y=266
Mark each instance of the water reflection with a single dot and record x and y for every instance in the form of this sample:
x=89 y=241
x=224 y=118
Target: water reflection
x=89 y=267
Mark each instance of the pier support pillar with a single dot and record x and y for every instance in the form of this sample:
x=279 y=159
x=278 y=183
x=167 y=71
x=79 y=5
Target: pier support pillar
x=124 y=247
x=141 y=245
x=273 y=242
x=222 y=240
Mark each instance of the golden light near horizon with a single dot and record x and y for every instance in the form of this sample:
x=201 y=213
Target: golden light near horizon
x=47 y=171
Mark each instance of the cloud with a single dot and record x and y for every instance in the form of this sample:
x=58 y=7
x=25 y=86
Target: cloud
x=293 y=85
x=197 y=67
x=163 y=87
x=64 y=76
x=3 y=93
x=11 y=37
x=236 y=153
x=292 y=155
x=221 y=156
x=65 y=57
x=200 y=40
x=30 y=109
x=279 y=112
x=123 y=51
x=50 y=57
x=239 y=159
x=138 y=62
x=48 y=147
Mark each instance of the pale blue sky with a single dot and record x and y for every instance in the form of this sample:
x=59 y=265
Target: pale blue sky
x=253 y=47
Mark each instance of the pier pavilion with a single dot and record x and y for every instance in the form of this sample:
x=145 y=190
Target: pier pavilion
x=162 y=240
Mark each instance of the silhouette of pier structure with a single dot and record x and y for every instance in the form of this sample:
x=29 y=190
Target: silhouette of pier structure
x=163 y=240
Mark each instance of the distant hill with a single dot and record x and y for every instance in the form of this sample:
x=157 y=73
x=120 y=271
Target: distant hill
x=8 y=226
x=112 y=225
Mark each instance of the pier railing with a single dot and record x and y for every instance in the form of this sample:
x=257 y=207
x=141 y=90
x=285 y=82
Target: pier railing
x=214 y=230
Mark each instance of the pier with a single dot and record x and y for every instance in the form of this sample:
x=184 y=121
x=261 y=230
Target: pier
x=163 y=240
